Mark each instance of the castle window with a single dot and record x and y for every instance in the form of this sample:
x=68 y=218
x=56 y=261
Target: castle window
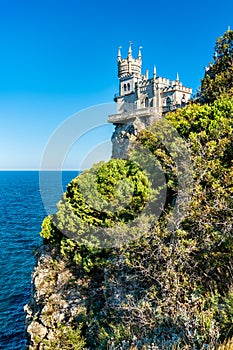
x=169 y=101
x=125 y=87
x=128 y=86
x=183 y=101
x=146 y=102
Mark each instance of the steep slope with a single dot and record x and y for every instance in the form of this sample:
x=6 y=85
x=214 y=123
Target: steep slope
x=117 y=277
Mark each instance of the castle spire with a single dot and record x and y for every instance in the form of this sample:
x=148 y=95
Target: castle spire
x=177 y=77
x=130 y=49
x=139 y=53
x=119 y=53
x=154 y=73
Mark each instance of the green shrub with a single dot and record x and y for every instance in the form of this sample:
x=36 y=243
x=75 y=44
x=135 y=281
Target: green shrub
x=66 y=338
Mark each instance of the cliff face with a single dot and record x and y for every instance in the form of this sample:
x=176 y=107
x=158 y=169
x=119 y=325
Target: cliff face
x=63 y=298
x=125 y=135
x=55 y=300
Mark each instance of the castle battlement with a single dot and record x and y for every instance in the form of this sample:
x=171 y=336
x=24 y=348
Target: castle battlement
x=142 y=97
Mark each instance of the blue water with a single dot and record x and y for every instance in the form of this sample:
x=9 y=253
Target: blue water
x=21 y=214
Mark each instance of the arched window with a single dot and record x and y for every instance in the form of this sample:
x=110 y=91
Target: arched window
x=168 y=101
x=183 y=101
x=125 y=87
x=146 y=102
x=128 y=86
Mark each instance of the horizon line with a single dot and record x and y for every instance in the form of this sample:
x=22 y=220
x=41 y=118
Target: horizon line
x=42 y=169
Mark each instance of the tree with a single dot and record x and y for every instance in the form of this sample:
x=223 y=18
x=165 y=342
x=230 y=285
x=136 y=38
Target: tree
x=218 y=78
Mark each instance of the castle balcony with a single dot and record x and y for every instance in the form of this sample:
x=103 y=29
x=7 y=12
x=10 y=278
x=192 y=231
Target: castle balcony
x=126 y=116
x=169 y=108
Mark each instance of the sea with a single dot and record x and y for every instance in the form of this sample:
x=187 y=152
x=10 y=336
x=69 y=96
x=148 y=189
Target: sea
x=22 y=209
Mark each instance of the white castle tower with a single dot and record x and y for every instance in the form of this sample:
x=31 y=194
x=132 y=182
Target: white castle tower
x=143 y=97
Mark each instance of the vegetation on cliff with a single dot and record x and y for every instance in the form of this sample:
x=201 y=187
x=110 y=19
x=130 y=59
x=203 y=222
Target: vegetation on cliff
x=168 y=284
x=218 y=79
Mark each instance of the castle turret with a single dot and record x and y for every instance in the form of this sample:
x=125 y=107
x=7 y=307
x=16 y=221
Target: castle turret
x=129 y=65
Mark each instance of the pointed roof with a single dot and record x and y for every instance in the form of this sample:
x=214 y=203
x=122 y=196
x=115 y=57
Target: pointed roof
x=130 y=49
x=139 y=53
x=119 y=53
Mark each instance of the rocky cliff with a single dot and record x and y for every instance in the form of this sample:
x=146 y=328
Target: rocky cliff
x=125 y=135
x=164 y=288
x=55 y=300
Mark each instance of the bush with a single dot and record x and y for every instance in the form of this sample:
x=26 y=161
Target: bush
x=108 y=193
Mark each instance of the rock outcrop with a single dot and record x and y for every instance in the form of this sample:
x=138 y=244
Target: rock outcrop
x=55 y=299
x=125 y=134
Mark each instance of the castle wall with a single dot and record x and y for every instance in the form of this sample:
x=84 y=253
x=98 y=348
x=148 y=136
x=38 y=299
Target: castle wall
x=127 y=103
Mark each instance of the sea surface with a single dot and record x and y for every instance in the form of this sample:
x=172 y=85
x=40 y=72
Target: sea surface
x=21 y=215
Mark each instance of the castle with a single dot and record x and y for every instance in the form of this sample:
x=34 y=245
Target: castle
x=141 y=100
x=144 y=97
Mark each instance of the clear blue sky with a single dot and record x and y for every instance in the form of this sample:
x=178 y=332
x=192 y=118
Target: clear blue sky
x=58 y=57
